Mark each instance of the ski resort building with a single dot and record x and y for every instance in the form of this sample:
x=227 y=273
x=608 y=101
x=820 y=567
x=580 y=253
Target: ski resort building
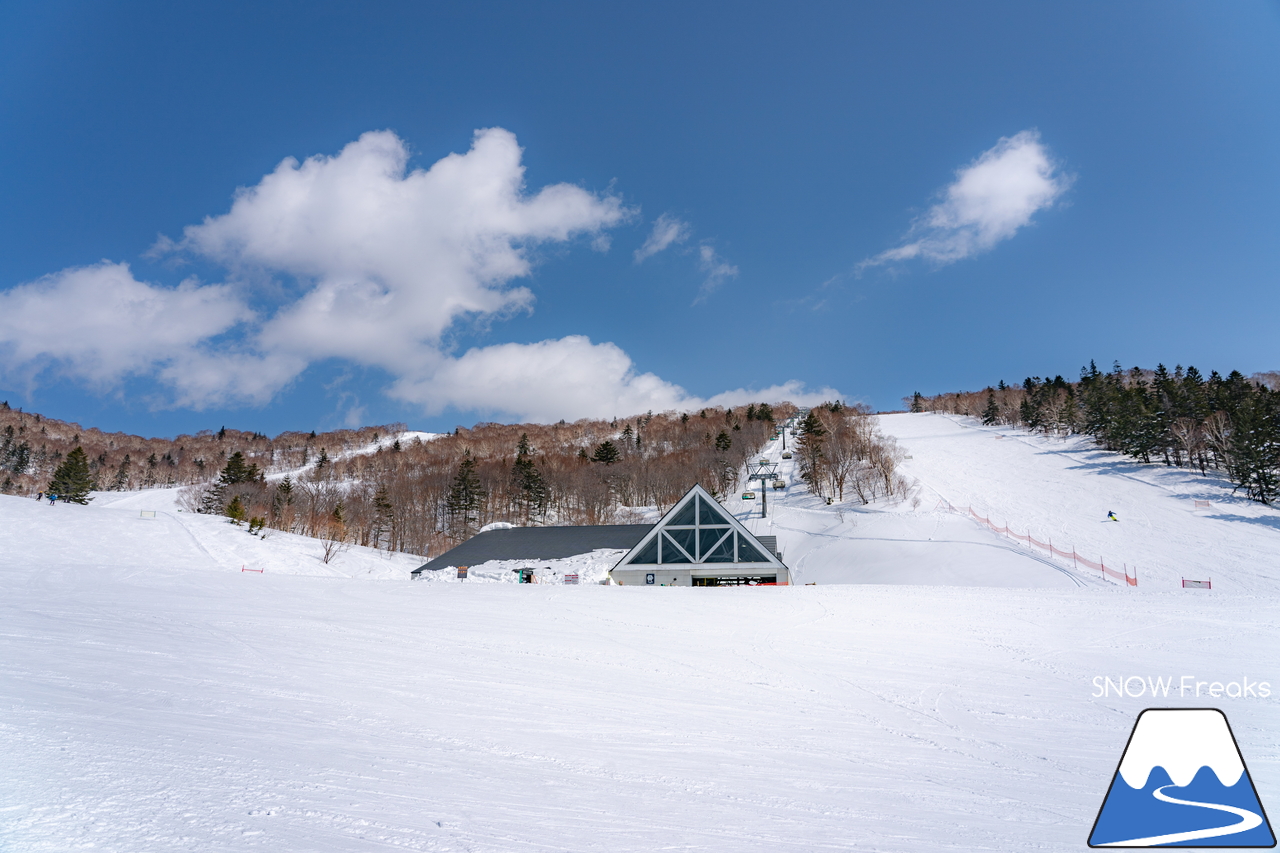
x=697 y=543
x=535 y=544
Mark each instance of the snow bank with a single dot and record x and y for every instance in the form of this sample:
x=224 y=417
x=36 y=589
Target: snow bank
x=590 y=568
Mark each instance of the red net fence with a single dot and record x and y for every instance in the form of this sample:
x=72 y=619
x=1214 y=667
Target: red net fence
x=1075 y=557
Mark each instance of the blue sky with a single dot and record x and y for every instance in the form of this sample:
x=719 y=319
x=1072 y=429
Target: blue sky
x=862 y=199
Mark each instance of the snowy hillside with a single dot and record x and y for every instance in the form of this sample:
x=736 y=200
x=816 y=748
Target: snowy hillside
x=934 y=691
x=1063 y=490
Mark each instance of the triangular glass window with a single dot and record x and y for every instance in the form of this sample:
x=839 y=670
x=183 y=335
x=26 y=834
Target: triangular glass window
x=747 y=552
x=708 y=537
x=685 y=515
x=721 y=553
x=648 y=554
x=710 y=512
x=683 y=538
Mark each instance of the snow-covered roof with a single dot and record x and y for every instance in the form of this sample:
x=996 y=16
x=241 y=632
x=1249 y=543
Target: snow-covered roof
x=537 y=543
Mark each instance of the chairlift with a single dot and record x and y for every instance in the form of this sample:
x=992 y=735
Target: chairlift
x=786 y=454
x=748 y=496
x=779 y=484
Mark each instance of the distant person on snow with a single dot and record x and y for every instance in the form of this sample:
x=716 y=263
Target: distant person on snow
x=53 y=499
x=1111 y=516
x=39 y=496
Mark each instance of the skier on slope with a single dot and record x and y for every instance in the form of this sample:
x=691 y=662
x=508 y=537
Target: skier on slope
x=1111 y=516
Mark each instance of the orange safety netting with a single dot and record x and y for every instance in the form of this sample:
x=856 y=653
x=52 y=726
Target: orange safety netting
x=1101 y=566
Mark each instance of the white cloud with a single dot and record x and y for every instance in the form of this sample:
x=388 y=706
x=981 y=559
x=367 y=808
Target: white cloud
x=716 y=269
x=793 y=391
x=988 y=202
x=667 y=230
x=99 y=324
x=357 y=258
x=394 y=258
x=569 y=378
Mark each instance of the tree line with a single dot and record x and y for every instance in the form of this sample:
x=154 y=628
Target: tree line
x=32 y=447
x=840 y=449
x=425 y=496
x=1230 y=425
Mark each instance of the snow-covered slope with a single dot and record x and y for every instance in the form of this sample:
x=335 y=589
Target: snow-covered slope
x=154 y=697
x=386 y=442
x=893 y=542
x=1055 y=490
x=1064 y=489
x=113 y=532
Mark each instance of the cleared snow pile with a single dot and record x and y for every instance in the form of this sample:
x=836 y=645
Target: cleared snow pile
x=590 y=568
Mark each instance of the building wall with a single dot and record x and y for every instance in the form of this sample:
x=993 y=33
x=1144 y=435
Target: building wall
x=672 y=575
x=662 y=576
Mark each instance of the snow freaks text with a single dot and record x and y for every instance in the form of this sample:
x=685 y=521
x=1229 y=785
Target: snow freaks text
x=1186 y=687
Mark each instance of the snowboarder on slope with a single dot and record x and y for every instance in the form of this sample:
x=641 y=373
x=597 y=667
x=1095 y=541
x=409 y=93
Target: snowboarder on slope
x=1111 y=516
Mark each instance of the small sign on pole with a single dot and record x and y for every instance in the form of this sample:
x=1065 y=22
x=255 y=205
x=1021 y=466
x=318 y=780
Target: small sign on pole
x=147 y=513
x=1203 y=505
x=1190 y=584
x=462 y=573
x=571 y=577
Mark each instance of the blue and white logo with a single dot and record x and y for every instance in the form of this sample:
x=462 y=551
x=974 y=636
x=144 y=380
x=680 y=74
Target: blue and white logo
x=1182 y=783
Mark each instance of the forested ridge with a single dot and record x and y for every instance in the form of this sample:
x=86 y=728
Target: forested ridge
x=372 y=487
x=1227 y=424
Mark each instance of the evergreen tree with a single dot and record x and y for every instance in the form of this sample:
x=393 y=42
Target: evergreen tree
x=991 y=414
x=235 y=510
x=723 y=441
x=530 y=487
x=466 y=496
x=72 y=481
x=917 y=402
x=282 y=498
x=1253 y=458
x=606 y=453
x=237 y=471
x=120 y=482
x=809 y=448
x=812 y=425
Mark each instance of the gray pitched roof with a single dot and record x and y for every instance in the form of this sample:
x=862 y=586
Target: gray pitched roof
x=537 y=543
